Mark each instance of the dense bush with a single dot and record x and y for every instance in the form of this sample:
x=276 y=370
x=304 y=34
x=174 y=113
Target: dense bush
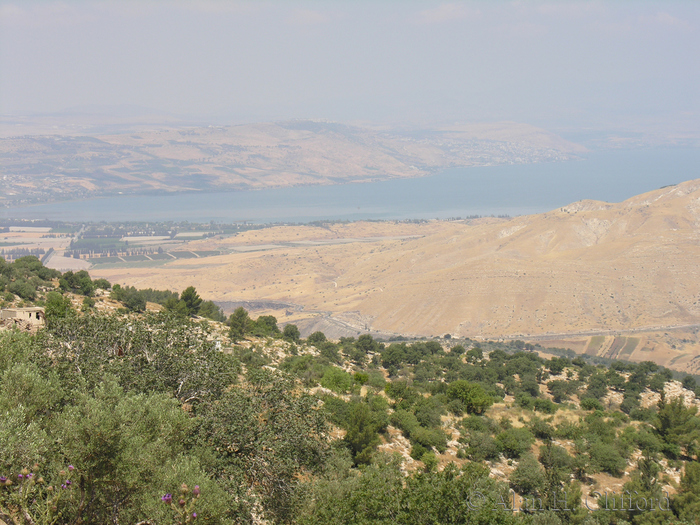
x=336 y=379
x=514 y=442
x=472 y=395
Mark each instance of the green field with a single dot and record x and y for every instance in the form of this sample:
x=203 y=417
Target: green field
x=99 y=244
x=626 y=352
x=160 y=257
x=135 y=264
x=595 y=344
x=183 y=255
x=618 y=344
x=105 y=260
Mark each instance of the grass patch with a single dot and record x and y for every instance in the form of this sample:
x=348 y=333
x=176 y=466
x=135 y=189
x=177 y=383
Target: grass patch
x=618 y=344
x=161 y=257
x=135 y=264
x=99 y=244
x=183 y=255
x=673 y=361
x=104 y=260
x=133 y=258
x=595 y=344
x=632 y=343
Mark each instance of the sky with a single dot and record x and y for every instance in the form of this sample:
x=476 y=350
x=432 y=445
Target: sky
x=560 y=65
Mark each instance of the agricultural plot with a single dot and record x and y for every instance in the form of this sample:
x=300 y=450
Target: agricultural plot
x=595 y=344
x=99 y=244
x=617 y=345
x=105 y=260
x=160 y=256
x=629 y=347
x=183 y=255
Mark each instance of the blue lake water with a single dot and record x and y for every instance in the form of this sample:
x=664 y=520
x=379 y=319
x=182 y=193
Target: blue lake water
x=611 y=176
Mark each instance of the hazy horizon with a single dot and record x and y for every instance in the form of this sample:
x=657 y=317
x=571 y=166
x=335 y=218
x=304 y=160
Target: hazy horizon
x=566 y=66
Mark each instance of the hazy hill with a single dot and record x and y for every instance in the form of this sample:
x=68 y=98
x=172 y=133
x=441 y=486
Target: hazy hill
x=38 y=168
x=588 y=265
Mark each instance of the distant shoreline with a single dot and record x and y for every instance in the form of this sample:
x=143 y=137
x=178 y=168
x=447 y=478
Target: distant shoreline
x=516 y=189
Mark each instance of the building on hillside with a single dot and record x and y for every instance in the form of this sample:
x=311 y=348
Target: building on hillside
x=33 y=316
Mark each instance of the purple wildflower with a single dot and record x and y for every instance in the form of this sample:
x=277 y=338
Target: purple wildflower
x=68 y=482
x=63 y=487
x=3 y=479
x=70 y=467
x=194 y=514
x=167 y=498
x=19 y=476
x=196 y=490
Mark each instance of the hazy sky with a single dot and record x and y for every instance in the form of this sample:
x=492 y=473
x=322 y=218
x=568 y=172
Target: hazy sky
x=561 y=64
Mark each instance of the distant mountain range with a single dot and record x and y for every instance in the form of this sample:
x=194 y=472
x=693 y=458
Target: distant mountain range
x=159 y=158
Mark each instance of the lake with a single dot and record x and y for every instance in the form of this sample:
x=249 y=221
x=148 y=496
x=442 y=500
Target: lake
x=611 y=175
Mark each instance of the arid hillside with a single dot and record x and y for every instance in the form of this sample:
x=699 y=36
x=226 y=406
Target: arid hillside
x=39 y=168
x=587 y=270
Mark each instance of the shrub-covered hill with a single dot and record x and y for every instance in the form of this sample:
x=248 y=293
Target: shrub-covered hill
x=105 y=415
x=26 y=282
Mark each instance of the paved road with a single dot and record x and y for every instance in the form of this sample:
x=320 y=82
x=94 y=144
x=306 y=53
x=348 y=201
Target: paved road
x=588 y=333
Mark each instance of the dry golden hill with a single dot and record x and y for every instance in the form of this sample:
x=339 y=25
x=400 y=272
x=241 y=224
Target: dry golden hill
x=588 y=268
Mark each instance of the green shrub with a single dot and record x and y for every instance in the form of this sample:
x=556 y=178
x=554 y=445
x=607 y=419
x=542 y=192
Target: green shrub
x=291 y=333
x=515 y=441
x=545 y=406
x=23 y=289
x=480 y=424
x=376 y=379
x=103 y=284
x=362 y=433
x=404 y=396
x=607 y=458
x=524 y=400
x=251 y=357
x=88 y=304
x=472 y=395
x=433 y=437
x=360 y=378
x=328 y=350
x=211 y=311
x=336 y=379
x=456 y=407
x=417 y=451
x=430 y=461
x=528 y=478
x=428 y=411
x=481 y=446
x=541 y=429
x=590 y=403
